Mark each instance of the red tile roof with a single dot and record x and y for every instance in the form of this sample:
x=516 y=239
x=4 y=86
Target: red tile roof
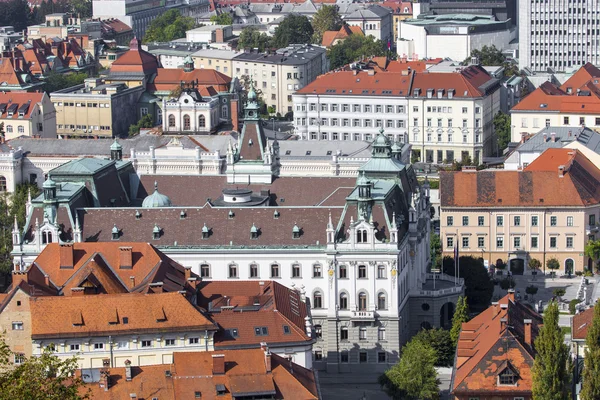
x=357 y=83
x=89 y=315
x=8 y=73
x=116 y=25
x=18 y=100
x=135 y=60
x=169 y=79
x=492 y=341
x=330 y=36
x=539 y=185
x=398 y=7
x=466 y=83
x=580 y=324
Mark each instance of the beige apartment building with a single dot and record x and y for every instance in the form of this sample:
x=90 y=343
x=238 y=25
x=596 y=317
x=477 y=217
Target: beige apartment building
x=549 y=209
x=27 y=114
x=278 y=75
x=217 y=59
x=96 y=109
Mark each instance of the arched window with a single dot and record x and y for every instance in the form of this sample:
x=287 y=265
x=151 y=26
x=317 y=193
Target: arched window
x=317 y=299
x=46 y=237
x=201 y=121
x=186 y=122
x=171 y=121
x=362 y=301
x=358 y=236
x=364 y=236
x=225 y=112
x=21 y=129
x=2 y=184
x=233 y=271
x=381 y=303
x=343 y=301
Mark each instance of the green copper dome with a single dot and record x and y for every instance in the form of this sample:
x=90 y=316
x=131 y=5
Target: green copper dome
x=156 y=199
x=116 y=145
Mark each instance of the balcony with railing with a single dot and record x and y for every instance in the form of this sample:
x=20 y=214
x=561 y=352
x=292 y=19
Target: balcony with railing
x=437 y=285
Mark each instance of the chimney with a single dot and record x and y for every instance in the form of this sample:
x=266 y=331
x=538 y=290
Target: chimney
x=132 y=281
x=66 y=256
x=545 y=135
x=103 y=381
x=234 y=115
x=503 y=323
x=77 y=291
x=527 y=323
x=18 y=277
x=125 y=258
x=219 y=35
x=264 y=348
x=188 y=273
x=218 y=364
x=47 y=280
x=561 y=171
x=511 y=295
x=127 y=370
x=553 y=137
x=523 y=137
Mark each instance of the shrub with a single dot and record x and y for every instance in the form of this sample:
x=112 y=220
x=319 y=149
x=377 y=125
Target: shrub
x=507 y=283
x=572 y=304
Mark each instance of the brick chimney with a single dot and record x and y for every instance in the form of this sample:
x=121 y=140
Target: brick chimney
x=132 y=281
x=18 y=277
x=188 y=273
x=511 y=295
x=545 y=135
x=527 y=324
x=218 y=367
x=127 y=370
x=104 y=375
x=219 y=36
x=125 y=258
x=561 y=171
x=77 y=291
x=66 y=256
x=234 y=115
x=267 y=359
x=503 y=322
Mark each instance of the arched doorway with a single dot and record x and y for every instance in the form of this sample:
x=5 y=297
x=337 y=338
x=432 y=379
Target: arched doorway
x=446 y=314
x=569 y=266
x=517 y=266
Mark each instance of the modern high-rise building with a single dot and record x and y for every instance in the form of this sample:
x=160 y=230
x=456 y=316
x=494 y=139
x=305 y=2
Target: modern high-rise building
x=558 y=34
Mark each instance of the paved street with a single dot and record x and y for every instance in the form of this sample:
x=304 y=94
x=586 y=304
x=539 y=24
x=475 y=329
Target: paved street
x=351 y=386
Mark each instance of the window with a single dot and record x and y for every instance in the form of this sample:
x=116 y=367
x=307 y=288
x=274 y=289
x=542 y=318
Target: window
x=465 y=221
x=569 y=241
x=317 y=271
x=362 y=357
x=534 y=220
x=296 y=271
x=500 y=242
x=317 y=300
x=343 y=271
x=534 y=242
x=553 y=221
x=499 y=220
x=193 y=340
x=450 y=221
x=17 y=326
x=381 y=303
x=343 y=301
x=362 y=301
x=565 y=120
x=381 y=271
x=253 y=271
x=146 y=343
x=465 y=241
x=344 y=357
x=362 y=333
x=507 y=377
x=186 y=122
x=233 y=271
x=569 y=221
x=204 y=271
x=21 y=129
x=318 y=331
x=362 y=271
x=169 y=342
x=344 y=333
x=201 y=121
x=480 y=241
x=274 y=271
x=553 y=242
x=122 y=345
x=9 y=129
x=480 y=221
x=381 y=357
x=591 y=218
x=318 y=355
x=517 y=242
x=98 y=346
x=449 y=241
x=19 y=358
x=74 y=347
x=517 y=221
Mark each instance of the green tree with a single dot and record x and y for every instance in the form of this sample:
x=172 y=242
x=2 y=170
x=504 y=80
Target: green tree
x=534 y=264
x=17 y=14
x=39 y=378
x=552 y=264
x=57 y=81
x=507 y=283
x=414 y=377
x=488 y=55
x=147 y=121
x=252 y=38
x=590 y=389
x=531 y=290
x=550 y=368
x=353 y=48
x=503 y=132
x=294 y=29
x=82 y=8
x=439 y=339
x=592 y=250
x=435 y=248
x=169 y=26
x=461 y=315
x=224 y=18
x=478 y=285
x=326 y=19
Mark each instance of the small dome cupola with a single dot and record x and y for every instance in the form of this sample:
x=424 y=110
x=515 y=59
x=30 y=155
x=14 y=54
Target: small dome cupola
x=188 y=64
x=156 y=199
x=396 y=150
x=116 y=151
x=382 y=147
x=364 y=186
x=49 y=188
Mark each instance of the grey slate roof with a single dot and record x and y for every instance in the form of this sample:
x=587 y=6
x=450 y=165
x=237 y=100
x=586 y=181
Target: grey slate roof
x=372 y=12
x=563 y=136
x=299 y=149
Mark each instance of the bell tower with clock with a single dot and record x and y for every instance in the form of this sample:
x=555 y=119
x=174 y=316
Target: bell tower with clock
x=251 y=111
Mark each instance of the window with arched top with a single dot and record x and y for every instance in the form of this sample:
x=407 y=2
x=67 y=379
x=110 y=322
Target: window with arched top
x=46 y=237
x=317 y=299
x=186 y=122
x=2 y=183
x=171 y=121
x=362 y=301
x=224 y=112
x=343 y=301
x=381 y=303
x=202 y=121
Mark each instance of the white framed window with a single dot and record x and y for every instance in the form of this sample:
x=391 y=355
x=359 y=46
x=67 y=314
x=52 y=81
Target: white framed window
x=146 y=343
x=193 y=340
x=17 y=326
x=169 y=342
x=98 y=346
x=74 y=347
x=122 y=345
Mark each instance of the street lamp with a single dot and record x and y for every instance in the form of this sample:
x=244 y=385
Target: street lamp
x=273 y=119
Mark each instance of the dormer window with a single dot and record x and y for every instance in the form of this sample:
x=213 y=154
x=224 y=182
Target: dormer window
x=182 y=214
x=296 y=232
x=361 y=236
x=156 y=232
x=254 y=232
x=115 y=232
x=231 y=214
x=205 y=232
x=138 y=214
x=507 y=377
x=276 y=214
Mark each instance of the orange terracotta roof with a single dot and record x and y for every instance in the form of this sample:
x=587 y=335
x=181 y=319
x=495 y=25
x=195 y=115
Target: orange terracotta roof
x=580 y=324
x=169 y=79
x=466 y=83
x=331 y=36
x=398 y=7
x=8 y=73
x=583 y=75
x=491 y=342
x=97 y=315
x=19 y=99
x=116 y=25
x=539 y=185
x=147 y=382
x=135 y=60
x=357 y=83
x=399 y=66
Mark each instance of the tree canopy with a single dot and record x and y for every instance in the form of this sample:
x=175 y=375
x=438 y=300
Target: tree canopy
x=435 y=249
x=169 y=26
x=414 y=377
x=222 y=19
x=294 y=29
x=592 y=250
x=460 y=315
x=488 y=55
x=353 y=48
x=251 y=38
x=17 y=14
x=326 y=19
x=439 y=339
x=503 y=132
x=590 y=389
x=478 y=285
x=82 y=8
x=550 y=368
x=57 y=81
x=147 y=121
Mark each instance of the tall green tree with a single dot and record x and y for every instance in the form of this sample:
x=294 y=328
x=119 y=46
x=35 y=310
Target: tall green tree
x=435 y=249
x=478 y=285
x=82 y=8
x=17 y=14
x=414 y=377
x=439 y=340
x=488 y=55
x=169 y=26
x=294 y=29
x=251 y=38
x=592 y=250
x=39 y=378
x=354 y=48
x=461 y=315
x=326 y=19
x=503 y=132
x=552 y=264
x=147 y=121
x=590 y=389
x=224 y=18
x=551 y=365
